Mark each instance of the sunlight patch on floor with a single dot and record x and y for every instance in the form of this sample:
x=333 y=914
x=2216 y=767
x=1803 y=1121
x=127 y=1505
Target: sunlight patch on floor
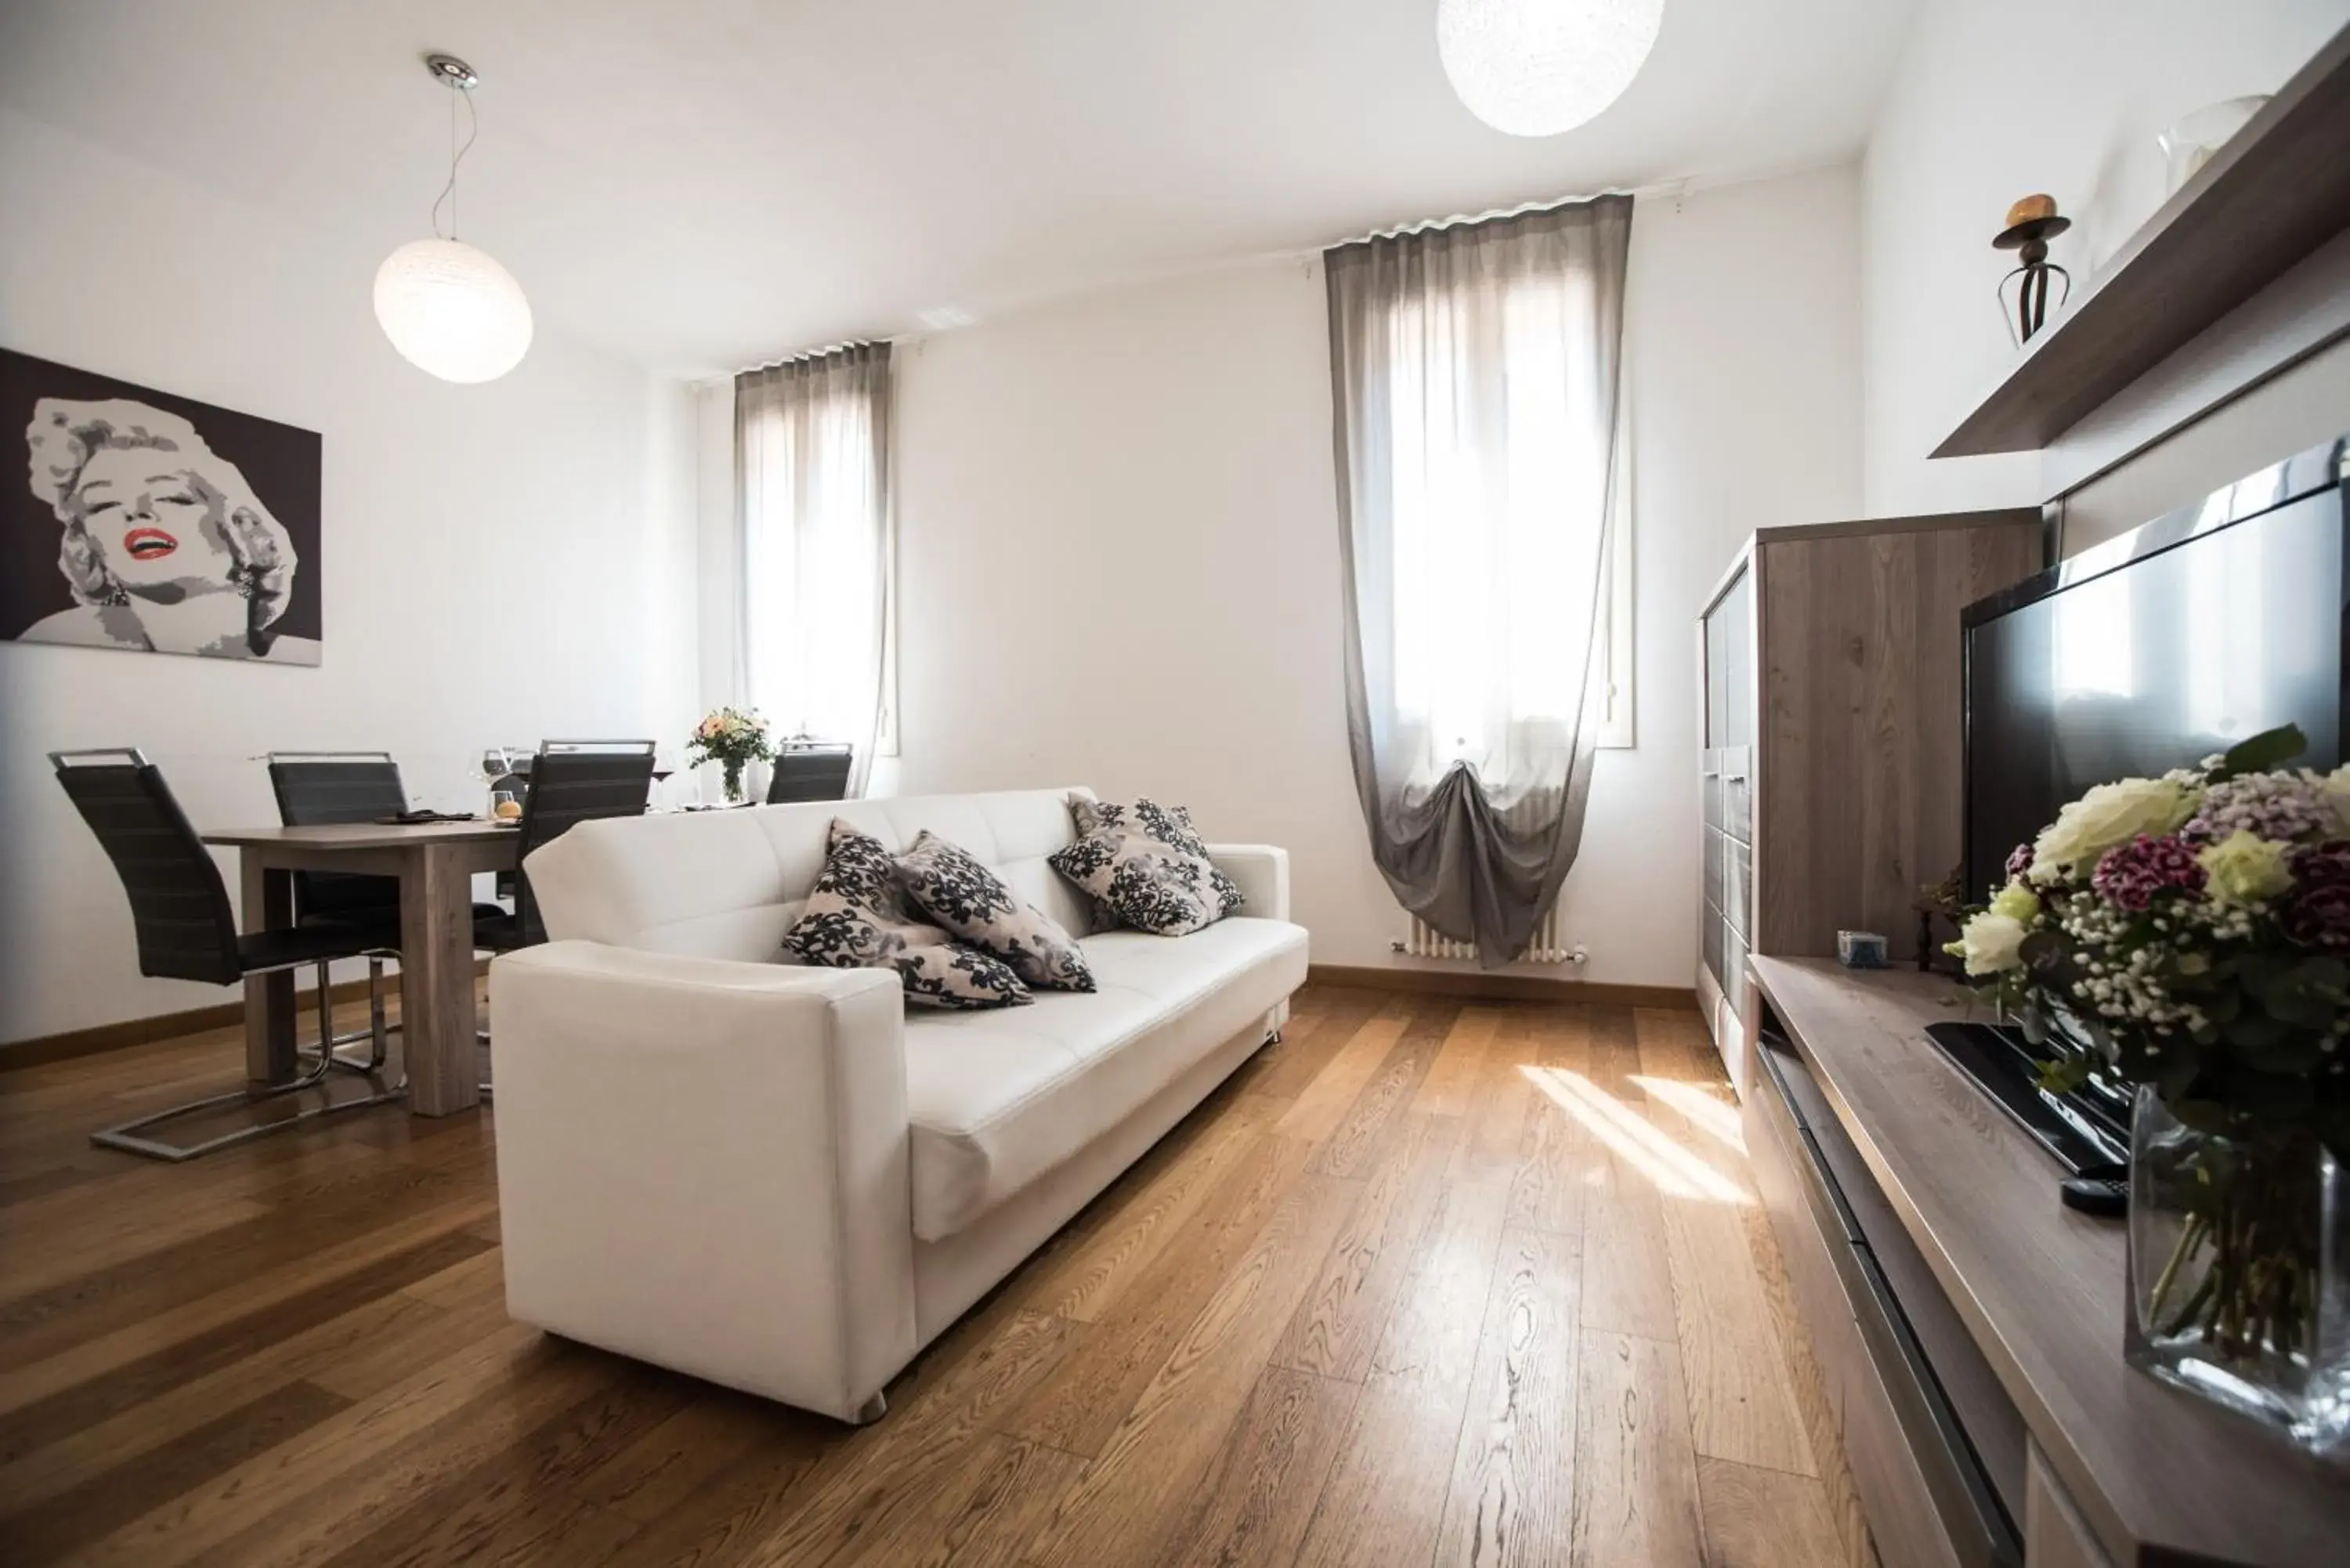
x=1702 y=1109
x=1670 y=1168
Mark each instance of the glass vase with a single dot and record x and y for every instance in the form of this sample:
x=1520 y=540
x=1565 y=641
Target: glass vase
x=2193 y=141
x=2240 y=1271
x=734 y=768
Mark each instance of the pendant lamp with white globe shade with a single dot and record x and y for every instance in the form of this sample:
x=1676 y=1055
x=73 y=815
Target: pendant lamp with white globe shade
x=451 y=309
x=1536 y=67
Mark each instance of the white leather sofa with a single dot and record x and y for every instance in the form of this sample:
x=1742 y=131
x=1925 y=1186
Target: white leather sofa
x=782 y=1178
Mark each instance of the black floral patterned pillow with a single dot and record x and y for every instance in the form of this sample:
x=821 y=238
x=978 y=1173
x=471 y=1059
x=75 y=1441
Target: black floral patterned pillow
x=1145 y=867
x=856 y=918
x=1169 y=824
x=944 y=882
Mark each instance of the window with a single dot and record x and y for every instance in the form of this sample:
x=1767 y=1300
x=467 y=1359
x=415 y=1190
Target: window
x=812 y=446
x=1474 y=378
x=1474 y=382
x=1497 y=591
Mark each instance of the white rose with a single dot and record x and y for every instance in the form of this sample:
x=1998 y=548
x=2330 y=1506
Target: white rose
x=2017 y=902
x=2108 y=815
x=2334 y=789
x=1992 y=944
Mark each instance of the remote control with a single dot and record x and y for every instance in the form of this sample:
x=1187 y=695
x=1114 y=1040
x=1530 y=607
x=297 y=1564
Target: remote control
x=2106 y=1197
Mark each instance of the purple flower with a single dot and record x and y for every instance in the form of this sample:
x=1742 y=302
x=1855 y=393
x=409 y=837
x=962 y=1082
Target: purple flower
x=2132 y=873
x=2318 y=914
x=2019 y=861
x=2322 y=865
x=2275 y=806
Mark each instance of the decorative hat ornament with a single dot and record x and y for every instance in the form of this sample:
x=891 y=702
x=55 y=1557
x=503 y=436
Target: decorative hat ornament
x=2032 y=222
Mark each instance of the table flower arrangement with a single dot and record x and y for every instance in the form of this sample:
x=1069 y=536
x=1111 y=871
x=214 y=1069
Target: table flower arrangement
x=732 y=737
x=2191 y=935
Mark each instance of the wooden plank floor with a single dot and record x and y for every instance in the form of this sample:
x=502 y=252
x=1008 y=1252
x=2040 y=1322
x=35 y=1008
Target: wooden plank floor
x=1427 y=1284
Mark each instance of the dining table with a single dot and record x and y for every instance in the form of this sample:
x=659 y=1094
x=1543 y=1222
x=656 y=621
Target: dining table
x=435 y=864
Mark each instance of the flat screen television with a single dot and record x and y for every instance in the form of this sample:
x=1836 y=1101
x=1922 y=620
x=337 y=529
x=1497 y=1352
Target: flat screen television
x=2155 y=649
x=2148 y=653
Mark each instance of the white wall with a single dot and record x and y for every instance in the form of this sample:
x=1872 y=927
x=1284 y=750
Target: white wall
x=718 y=548
x=1118 y=548
x=502 y=563
x=1995 y=100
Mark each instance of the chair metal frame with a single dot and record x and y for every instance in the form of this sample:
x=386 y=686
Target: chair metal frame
x=126 y=1136
x=329 y=755
x=623 y=747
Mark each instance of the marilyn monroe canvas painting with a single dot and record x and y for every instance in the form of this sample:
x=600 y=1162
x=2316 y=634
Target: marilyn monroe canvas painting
x=155 y=524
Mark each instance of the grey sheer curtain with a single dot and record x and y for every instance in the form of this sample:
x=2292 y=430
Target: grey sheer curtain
x=812 y=481
x=1475 y=373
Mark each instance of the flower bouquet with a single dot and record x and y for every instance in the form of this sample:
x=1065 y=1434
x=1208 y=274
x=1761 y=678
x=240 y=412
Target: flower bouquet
x=2190 y=936
x=732 y=737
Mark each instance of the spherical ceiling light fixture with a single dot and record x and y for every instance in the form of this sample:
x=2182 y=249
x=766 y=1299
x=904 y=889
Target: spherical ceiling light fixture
x=1536 y=67
x=451 y=309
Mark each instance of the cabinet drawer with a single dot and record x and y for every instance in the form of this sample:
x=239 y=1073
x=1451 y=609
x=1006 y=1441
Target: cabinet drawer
x=2055 y=1534
x=1903 y=1523
x=1901 y=1514
x=1803 y=1248
x=1929 y=1500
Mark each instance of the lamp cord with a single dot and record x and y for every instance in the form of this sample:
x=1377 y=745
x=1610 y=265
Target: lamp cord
x=456 y=156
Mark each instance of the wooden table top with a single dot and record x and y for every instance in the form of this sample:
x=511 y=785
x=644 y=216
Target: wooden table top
x=2161 y=1476
x=363 y=834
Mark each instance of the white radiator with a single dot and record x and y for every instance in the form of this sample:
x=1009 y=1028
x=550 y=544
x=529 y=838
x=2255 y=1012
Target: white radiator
x=1547 y=945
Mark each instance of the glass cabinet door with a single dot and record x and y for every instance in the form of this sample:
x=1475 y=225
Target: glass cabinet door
x=1727 y=804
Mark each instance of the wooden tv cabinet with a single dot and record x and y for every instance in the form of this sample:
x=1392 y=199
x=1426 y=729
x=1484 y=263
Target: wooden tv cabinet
x=1967 y=1326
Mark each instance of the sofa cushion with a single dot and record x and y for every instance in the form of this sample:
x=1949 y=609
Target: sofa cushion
x=998 y=1100
x=856 y=918
x=1146 y=868
x=971 y=904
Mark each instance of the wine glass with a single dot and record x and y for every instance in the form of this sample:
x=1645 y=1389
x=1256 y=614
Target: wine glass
x=664 y=767
x=497 y=762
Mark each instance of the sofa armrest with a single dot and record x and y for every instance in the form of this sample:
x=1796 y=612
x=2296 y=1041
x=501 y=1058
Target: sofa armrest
x=703 y=1164
x=1262 y=873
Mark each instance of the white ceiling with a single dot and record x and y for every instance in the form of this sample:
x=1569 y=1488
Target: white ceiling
x=698 y=184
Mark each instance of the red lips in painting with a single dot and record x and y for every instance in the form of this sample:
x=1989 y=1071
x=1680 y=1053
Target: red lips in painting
x=149 y=543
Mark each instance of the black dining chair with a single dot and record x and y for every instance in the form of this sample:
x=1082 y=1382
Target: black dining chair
x=186 y=930
x=571 y=781
x=320 y=789
x=810 y=772
x=324 y=789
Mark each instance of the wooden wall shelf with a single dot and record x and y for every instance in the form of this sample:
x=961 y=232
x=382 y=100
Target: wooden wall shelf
x=2276 y=192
